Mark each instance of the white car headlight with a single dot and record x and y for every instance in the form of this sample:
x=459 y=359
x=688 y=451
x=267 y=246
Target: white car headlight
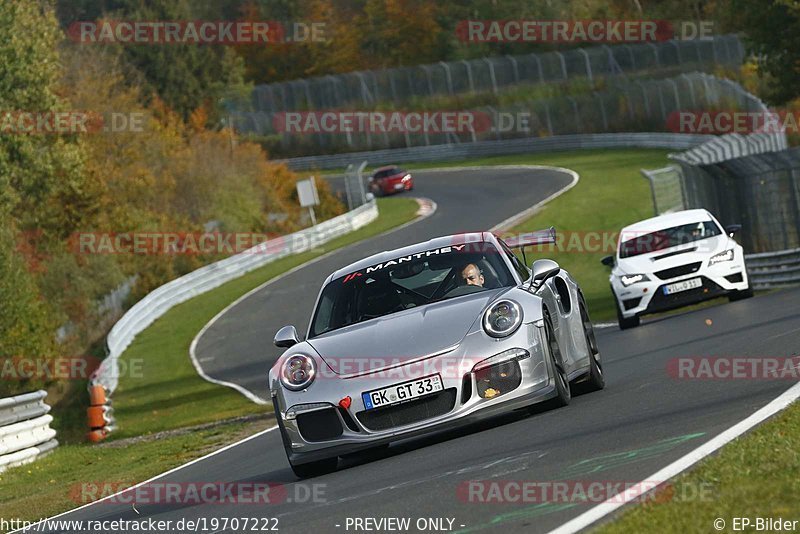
x=298 y=371
x=630 y=279
x=721 y=257
x=502 y=318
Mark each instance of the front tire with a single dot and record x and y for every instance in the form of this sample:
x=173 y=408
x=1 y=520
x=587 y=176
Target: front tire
x=563 y=393
x=312 y=469
x=740 y=295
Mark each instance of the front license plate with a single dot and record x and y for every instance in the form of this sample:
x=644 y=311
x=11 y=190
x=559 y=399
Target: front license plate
x=402 y=392
x=399 y=186
x=684 y=285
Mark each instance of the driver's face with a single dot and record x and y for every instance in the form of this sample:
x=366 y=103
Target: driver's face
x=472 y=276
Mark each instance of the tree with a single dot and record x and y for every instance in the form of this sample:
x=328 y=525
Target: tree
x=772 y=32
x=37 y=171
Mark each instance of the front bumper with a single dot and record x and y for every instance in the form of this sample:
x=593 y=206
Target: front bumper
x=352 y=434
x=648 y=297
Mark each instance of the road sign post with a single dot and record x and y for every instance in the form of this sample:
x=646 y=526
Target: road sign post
x=307 y=193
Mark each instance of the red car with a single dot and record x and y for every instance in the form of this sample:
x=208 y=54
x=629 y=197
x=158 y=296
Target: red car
x=390 y=179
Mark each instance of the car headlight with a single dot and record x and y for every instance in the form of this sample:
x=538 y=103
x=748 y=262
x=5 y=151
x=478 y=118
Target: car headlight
x=505 y=356
x=502 y=318
x=298 y=371
x=721 y=257
x=630 y=279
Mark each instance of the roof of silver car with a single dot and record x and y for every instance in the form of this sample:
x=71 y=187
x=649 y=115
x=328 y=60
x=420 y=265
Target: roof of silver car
x=386 y=255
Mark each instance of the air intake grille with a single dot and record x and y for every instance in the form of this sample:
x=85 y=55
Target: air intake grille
x=320 y=425
x=680 y=270
x=409 y=412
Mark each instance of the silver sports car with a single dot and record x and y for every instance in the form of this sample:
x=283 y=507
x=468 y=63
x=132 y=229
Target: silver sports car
x=427 y=337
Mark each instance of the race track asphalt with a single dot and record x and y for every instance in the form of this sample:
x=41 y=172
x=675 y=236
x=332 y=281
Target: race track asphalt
x=644 y=419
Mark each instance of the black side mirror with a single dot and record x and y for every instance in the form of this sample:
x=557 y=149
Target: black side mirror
x=608 y=261
x=733 y=229
x=286 y=337
x=541 y=270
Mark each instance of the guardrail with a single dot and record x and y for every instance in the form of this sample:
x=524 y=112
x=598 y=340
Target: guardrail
x=163 y=298
x=769 y=270
x=25 y=432
x=502 y=147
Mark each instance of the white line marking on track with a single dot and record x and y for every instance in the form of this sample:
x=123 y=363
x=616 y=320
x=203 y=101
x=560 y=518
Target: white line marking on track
x=794 y=330
x=681 y=464
x=165 y=473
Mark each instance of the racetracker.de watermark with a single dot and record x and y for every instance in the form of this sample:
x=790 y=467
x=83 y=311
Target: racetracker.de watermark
x=579 y=491
x=734 y=368
x=196 y=32
x=201 y=492
x=69 y=122
x=377 y=122
x=183 y=243
x=22 y=368
x=720 y=122
x=581 y=31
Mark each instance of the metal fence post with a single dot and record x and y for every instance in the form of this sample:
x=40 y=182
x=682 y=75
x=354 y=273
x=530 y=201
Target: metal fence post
x=347 y=187
x=588 y=65
x=361 y=182
x=491 y=74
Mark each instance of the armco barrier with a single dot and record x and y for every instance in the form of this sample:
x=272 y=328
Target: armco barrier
x=774 y=269
x=526 y=145
x=25 y=432
x=160 y=300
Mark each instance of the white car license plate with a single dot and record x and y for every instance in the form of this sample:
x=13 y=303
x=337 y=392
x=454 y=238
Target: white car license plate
x=402 y=392
x=683 y=285
x=399 y=186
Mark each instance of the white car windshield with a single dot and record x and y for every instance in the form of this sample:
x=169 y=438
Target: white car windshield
x=667 y=238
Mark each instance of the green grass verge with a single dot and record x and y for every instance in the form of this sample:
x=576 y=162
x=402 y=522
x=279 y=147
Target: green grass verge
x=67 y=478
x=757 y=475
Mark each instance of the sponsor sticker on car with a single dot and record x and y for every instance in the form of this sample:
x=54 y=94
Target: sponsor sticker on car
x=402 y=392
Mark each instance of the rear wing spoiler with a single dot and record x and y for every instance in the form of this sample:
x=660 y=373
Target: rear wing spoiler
x=530 y=239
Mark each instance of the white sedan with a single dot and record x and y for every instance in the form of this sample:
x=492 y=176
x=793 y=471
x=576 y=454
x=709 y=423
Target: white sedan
x=674 y=260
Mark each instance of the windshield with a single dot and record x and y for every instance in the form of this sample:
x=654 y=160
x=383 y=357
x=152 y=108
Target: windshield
x=409 y=281
x=670 y=237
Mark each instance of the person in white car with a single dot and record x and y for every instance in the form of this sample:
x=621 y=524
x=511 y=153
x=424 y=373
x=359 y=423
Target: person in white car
x=673 y=260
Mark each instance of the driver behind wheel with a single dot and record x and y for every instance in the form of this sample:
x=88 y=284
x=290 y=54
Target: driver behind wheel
x=472 y=276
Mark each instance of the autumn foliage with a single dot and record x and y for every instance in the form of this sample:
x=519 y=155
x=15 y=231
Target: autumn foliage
x=166 y=174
